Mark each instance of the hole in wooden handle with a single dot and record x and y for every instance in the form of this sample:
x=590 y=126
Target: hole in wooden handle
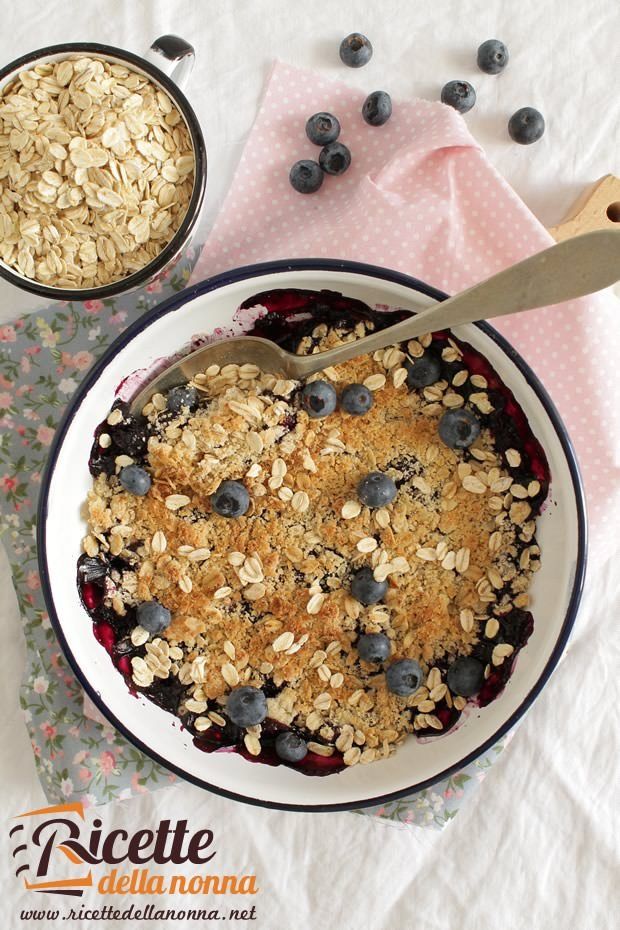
x=613 y=212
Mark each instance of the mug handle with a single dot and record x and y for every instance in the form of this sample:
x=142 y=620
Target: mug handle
x=174 y=56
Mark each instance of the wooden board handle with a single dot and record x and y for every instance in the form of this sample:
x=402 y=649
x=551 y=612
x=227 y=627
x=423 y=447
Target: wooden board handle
x=597 y=208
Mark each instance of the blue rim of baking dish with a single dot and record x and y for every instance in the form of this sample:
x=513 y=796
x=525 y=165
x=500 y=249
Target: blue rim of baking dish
x=231 y=277
x=188 y=224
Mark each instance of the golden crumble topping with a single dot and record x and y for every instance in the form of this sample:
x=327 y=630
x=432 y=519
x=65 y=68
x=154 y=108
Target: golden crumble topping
x=264 y=599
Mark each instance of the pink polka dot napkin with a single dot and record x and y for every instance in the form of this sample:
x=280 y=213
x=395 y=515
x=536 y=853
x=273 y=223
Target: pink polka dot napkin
x=422 y=198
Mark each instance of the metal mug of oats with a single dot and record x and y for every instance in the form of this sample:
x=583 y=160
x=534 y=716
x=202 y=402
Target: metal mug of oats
x=102 y=167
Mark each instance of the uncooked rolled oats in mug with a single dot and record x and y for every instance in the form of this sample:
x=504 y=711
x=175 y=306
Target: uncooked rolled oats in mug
x=96 y=172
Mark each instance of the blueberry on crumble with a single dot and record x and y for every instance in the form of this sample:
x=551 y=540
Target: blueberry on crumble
x=376 y=489
x=135 y=480
x=319 y=399
x=374 y=647
x=356 y=399
x=231 y=499
x=366 y=589
x=404 y=677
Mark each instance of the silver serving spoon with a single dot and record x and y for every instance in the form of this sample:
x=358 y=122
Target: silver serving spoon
x=565 y=271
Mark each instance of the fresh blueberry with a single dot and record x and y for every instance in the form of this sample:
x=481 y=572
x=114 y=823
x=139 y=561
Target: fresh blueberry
x=404 y=677
x=231 y=499
x=374 y=647
x=356 y=399
x=135 y=480
x=335 y=158
x=492 y=56
x=319 y=399
x=365 y=589
x=290 y=747
x=377 y=108
x=355 y=50
x=525 y=126
x=376 y=490
x=465 y=676
x=246 y=706
x=153 y=616
x=181 y=397
x=458 y=94
x=458 y=428
x=306 y=176
x=423 y=371
x=322 y=128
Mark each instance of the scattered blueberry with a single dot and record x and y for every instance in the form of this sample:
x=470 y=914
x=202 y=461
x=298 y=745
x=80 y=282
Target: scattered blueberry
x=335 y=158
x=465 y=676
x=182 y=396
x=290 y=747
x=135 y=480
x=246 y=706
x=377 y=108
x=306 y=176
x=322 y=128
x=231 y=499
x=458 y=428
x=356 y=399
x=319 y=399
x=374 y=647
x=492 y=56
x=525 y=126
x=355 y=50
x=458 y=94
x=365 y=589
x=404 y=677
x=376 y=490
x=153 y=616
x=423 y=371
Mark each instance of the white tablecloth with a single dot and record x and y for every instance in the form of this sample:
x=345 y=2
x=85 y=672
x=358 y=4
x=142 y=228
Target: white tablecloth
x=537 y=846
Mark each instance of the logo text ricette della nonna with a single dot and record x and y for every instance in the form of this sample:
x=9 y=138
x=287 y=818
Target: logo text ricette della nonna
x=62 y=834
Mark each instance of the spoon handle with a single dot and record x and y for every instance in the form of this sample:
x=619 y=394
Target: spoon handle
x=571 y=269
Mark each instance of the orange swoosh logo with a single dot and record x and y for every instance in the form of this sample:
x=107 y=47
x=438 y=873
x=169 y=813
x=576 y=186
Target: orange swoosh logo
x=61 y=883
x=70 y=854
x=75 y=808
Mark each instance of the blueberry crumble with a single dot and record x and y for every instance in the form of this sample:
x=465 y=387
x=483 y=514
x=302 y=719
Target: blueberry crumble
x=305 y=573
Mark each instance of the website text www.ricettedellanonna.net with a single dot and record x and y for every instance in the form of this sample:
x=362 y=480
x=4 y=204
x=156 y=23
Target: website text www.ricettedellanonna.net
x=132 y=912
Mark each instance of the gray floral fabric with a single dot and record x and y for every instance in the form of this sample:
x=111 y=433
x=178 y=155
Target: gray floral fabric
x=42 y=359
